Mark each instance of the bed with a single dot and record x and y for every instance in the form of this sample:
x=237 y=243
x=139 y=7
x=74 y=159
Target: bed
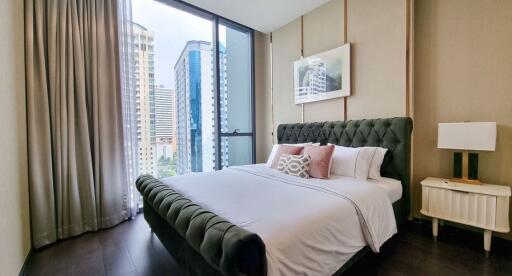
x=252 y=220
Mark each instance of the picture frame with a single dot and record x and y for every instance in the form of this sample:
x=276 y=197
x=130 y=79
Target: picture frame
x=322 y=76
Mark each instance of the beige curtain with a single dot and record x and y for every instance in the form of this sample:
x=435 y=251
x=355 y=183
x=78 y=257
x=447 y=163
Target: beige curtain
x=74 y=114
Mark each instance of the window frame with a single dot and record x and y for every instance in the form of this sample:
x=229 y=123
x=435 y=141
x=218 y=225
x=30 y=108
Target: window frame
x=216 y=21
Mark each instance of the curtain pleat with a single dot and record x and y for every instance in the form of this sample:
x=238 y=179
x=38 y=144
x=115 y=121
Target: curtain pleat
x=77 y=169
x=126 y=63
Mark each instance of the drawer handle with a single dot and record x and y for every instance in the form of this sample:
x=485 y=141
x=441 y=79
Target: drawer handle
x=460 y=192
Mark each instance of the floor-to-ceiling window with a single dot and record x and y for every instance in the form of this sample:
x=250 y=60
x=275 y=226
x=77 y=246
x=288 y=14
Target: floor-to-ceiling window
x=193 y=81
x=235 y=99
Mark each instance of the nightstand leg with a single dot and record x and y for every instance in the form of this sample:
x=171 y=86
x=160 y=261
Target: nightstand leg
x=435 y=225
x=487 y=241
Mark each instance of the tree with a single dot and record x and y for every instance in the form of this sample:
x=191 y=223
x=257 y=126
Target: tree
x=166 y=166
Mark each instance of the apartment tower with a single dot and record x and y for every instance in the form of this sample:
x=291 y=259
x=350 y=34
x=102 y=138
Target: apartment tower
x=144 y=76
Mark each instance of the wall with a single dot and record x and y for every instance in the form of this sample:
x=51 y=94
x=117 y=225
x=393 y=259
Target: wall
x=327 y=19
x=14 y=222
x=262 y=67
x=377 y=33
x=463 y=71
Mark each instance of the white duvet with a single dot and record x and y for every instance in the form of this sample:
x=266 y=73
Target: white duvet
x=309 y=226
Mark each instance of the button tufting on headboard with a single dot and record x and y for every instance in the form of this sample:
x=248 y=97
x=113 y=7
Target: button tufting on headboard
x=391 y=133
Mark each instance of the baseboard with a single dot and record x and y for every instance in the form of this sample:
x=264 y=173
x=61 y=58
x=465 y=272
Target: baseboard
x=23 y=270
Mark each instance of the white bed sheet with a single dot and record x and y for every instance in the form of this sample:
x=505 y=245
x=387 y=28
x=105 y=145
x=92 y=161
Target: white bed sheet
x=392 y=187
x=309 y=227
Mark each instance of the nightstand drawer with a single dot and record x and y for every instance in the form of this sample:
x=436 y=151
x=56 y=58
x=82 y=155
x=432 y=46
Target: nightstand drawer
x=459 y=206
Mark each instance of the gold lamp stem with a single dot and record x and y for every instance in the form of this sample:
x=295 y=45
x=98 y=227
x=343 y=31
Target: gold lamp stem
x=465 y=165
x=465 y=169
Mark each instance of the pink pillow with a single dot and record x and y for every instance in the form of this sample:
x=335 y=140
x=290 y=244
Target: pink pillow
x=321 y=158
x=285 y=149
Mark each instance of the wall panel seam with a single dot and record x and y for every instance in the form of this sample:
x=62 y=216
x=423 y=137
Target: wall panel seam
x=345 y=35
x=272 y=88
x=407 y=55
x=301 y=57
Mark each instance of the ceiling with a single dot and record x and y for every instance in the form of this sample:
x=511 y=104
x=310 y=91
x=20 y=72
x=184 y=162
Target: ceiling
x=262 y=15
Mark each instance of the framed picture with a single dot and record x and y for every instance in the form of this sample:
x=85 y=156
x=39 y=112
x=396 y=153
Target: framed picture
x=322 y=76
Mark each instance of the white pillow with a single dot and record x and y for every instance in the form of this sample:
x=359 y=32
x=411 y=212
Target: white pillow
x=352 y=162
x=274 y=150
x=377 y=159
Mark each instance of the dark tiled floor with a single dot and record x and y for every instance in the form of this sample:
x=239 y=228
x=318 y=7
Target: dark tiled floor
x=457 y=252
x=127 y=249
x=130 y=249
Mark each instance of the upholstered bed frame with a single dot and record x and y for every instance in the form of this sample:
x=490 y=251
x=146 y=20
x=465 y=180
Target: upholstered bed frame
x=206 y=244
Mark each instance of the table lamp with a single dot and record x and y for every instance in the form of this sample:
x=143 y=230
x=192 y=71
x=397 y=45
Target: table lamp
x=467 y=136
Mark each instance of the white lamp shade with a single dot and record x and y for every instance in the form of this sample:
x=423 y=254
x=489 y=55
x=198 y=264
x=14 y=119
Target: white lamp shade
x=467 y=136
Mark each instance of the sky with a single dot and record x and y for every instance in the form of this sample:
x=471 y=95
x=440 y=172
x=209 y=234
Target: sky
x=172 y=28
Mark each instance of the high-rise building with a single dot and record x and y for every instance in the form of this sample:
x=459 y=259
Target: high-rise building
x=195 y=107
x=223 y=87
x=196 y=128
x=144 y=82
x=165 y=122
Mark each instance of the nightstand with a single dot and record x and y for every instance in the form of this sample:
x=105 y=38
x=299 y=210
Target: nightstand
x=484 y=206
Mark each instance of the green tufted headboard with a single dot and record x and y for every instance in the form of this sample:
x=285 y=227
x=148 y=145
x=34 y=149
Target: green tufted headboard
x=391 y=133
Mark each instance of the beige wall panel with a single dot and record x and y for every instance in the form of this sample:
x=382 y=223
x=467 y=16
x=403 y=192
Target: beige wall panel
x=463 y=71
x=286 y=50
x=263 y=96
x=14 y=209
x=323 y=30
x=376 y=30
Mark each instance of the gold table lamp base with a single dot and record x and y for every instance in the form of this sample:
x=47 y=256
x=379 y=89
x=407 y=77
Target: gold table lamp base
x=466 y=181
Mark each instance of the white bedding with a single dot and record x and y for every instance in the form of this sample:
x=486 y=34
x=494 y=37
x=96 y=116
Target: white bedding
x=392 y=187
x=309 y=226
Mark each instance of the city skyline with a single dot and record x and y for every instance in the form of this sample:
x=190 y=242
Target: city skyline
x=171 y=41
x=178 y=127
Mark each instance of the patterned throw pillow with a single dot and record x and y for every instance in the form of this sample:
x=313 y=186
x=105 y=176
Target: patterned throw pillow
x=296 y=165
